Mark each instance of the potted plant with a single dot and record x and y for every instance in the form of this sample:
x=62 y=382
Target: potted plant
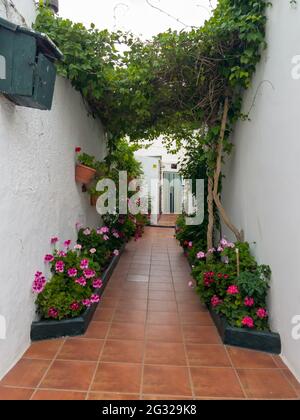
x=67 y=300
x=235 y=289
x=86 y=167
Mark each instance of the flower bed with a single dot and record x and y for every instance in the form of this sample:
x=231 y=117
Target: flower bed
x=77 y=278
x=235 y=288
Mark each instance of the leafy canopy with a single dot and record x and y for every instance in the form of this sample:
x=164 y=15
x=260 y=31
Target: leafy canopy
x=172 y=85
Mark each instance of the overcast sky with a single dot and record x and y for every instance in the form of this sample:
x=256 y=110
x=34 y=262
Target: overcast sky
x=137 y=15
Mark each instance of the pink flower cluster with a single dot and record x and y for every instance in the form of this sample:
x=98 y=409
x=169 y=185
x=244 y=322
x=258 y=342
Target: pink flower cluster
x=39 y=283
x=201 y=255
x=103 y=231
x=81 y=281
x=48 y=258
x=116 y=253
x=60 y=267
x=208 y=279
x=53 y=313
x=72 y=272
x=233 y=290
x=225 y=244
x=216 y=301
x=87 y=232
x=89 y=273
x=249 y=302
x=67 y=244
x=262 y=313
x=97 y=284
x=54 y=240
x=84 y=264
x=89 y=302
x=248 y=322
x=75 y=307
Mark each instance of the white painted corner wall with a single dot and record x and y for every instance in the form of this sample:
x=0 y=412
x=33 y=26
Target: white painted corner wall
x=39 y=196
x=262 y=186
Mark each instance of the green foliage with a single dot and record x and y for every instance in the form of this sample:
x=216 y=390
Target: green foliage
x=94 y=240
x=255 y=284
x=87 y=160
x=191 y=234
x=247 y=261
x=62 y=291
x=215 y=272
x=122 y=158
x=172 y=84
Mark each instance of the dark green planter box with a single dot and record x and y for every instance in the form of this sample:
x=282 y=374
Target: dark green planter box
x=249 y=339
x=46 y=330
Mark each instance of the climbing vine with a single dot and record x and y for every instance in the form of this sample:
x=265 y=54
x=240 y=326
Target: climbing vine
x=181 y=85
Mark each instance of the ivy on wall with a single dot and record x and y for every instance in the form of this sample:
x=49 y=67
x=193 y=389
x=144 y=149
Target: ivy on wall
x=182 y=85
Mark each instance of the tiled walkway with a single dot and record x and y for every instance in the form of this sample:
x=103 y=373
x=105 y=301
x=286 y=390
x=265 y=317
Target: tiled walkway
x=150 y=339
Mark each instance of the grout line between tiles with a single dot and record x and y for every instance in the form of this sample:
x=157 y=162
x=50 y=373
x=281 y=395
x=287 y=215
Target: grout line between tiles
x=48 y=369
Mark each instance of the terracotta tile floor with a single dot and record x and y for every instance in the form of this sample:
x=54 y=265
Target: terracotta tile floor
x=150 y=339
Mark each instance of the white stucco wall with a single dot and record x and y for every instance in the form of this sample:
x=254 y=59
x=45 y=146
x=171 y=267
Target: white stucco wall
x=262 y=187
x=39 y=198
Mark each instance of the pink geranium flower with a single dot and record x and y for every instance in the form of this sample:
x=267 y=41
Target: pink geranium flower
x=67 y=244
x=81 y=281
x=62 y=254
x=116 y=253
x=249 y=302
x=97 y=284
x=211 y=251
x=87 y=232
x=248 y=322
x=190 y=245
x=72 y=272
x=262 y=313
x=201 y=255
x=93 y=251
x=233 y=290
x=216 y=301
x=89 y=273
x=39 y=283
x=116 y=235
x=60 y=267
x=95 y=299
x=78 y=247
x=84 y=264
x=54 y=240
x=106 y=238
x=87 y=303
x=75 y=307
x=49 y=258
x=53 y=313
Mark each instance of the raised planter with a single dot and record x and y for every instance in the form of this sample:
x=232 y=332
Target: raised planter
x=47 y=329
x=249 y=339
x=245 y=338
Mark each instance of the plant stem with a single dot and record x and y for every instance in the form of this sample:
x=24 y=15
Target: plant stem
x=238 y=234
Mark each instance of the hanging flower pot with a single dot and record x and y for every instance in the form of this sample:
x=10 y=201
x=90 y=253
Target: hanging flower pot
x=84 y=174
x=85 y=168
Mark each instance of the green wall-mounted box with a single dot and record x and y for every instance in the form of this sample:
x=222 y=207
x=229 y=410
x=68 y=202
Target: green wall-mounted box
x=27 y=70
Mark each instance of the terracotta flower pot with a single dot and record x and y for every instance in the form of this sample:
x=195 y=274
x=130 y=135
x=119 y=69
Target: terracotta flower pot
x=84 y=174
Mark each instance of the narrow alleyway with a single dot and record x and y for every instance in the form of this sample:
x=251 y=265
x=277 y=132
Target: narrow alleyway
x=150 y=339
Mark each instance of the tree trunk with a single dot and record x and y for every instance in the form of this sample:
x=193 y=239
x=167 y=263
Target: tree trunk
x=211 y=216
x=238 y=234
